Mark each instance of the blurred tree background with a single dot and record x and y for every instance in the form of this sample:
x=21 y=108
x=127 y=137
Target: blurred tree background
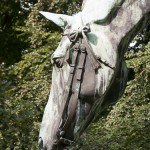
x=27 y=41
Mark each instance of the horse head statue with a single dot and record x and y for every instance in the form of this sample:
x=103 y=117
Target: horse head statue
x=89 y=71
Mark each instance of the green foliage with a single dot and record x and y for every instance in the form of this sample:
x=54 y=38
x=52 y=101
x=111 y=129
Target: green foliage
x=39 y=25
x=12 y=41
x=26 y=87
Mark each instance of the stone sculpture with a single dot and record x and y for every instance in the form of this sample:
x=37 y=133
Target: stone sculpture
x=89 y=71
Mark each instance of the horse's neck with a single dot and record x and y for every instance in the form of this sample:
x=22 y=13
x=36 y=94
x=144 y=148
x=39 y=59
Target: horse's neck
x=101 y=10
x=122 y=25
x=129 y=17
x=130 y=12
x=98 y=10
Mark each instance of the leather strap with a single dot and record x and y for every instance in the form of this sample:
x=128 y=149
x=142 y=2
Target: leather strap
x=70 y=102
x=74 y=97
x=77 y=67
x=79 y=52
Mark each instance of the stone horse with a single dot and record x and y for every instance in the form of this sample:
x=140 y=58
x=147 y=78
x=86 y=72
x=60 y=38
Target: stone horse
x=89 y=71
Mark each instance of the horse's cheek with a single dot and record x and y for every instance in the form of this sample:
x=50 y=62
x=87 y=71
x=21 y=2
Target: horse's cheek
x=88 y=81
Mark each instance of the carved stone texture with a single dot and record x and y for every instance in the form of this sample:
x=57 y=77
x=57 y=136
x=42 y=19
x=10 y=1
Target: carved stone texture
x=113 y=24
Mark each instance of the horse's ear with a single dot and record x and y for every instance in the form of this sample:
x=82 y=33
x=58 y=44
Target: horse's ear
x=59 y=19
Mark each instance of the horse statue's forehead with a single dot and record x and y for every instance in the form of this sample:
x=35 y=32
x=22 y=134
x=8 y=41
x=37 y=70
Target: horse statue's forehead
x=77 y=21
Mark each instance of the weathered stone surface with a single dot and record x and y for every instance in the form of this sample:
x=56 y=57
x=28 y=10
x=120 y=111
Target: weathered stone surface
x=113 y=24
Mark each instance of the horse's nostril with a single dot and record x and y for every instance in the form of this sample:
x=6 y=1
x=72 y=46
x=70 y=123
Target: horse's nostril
x=40 y=142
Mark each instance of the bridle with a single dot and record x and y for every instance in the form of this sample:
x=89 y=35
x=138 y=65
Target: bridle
x=74 y=37
x=80 y=50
